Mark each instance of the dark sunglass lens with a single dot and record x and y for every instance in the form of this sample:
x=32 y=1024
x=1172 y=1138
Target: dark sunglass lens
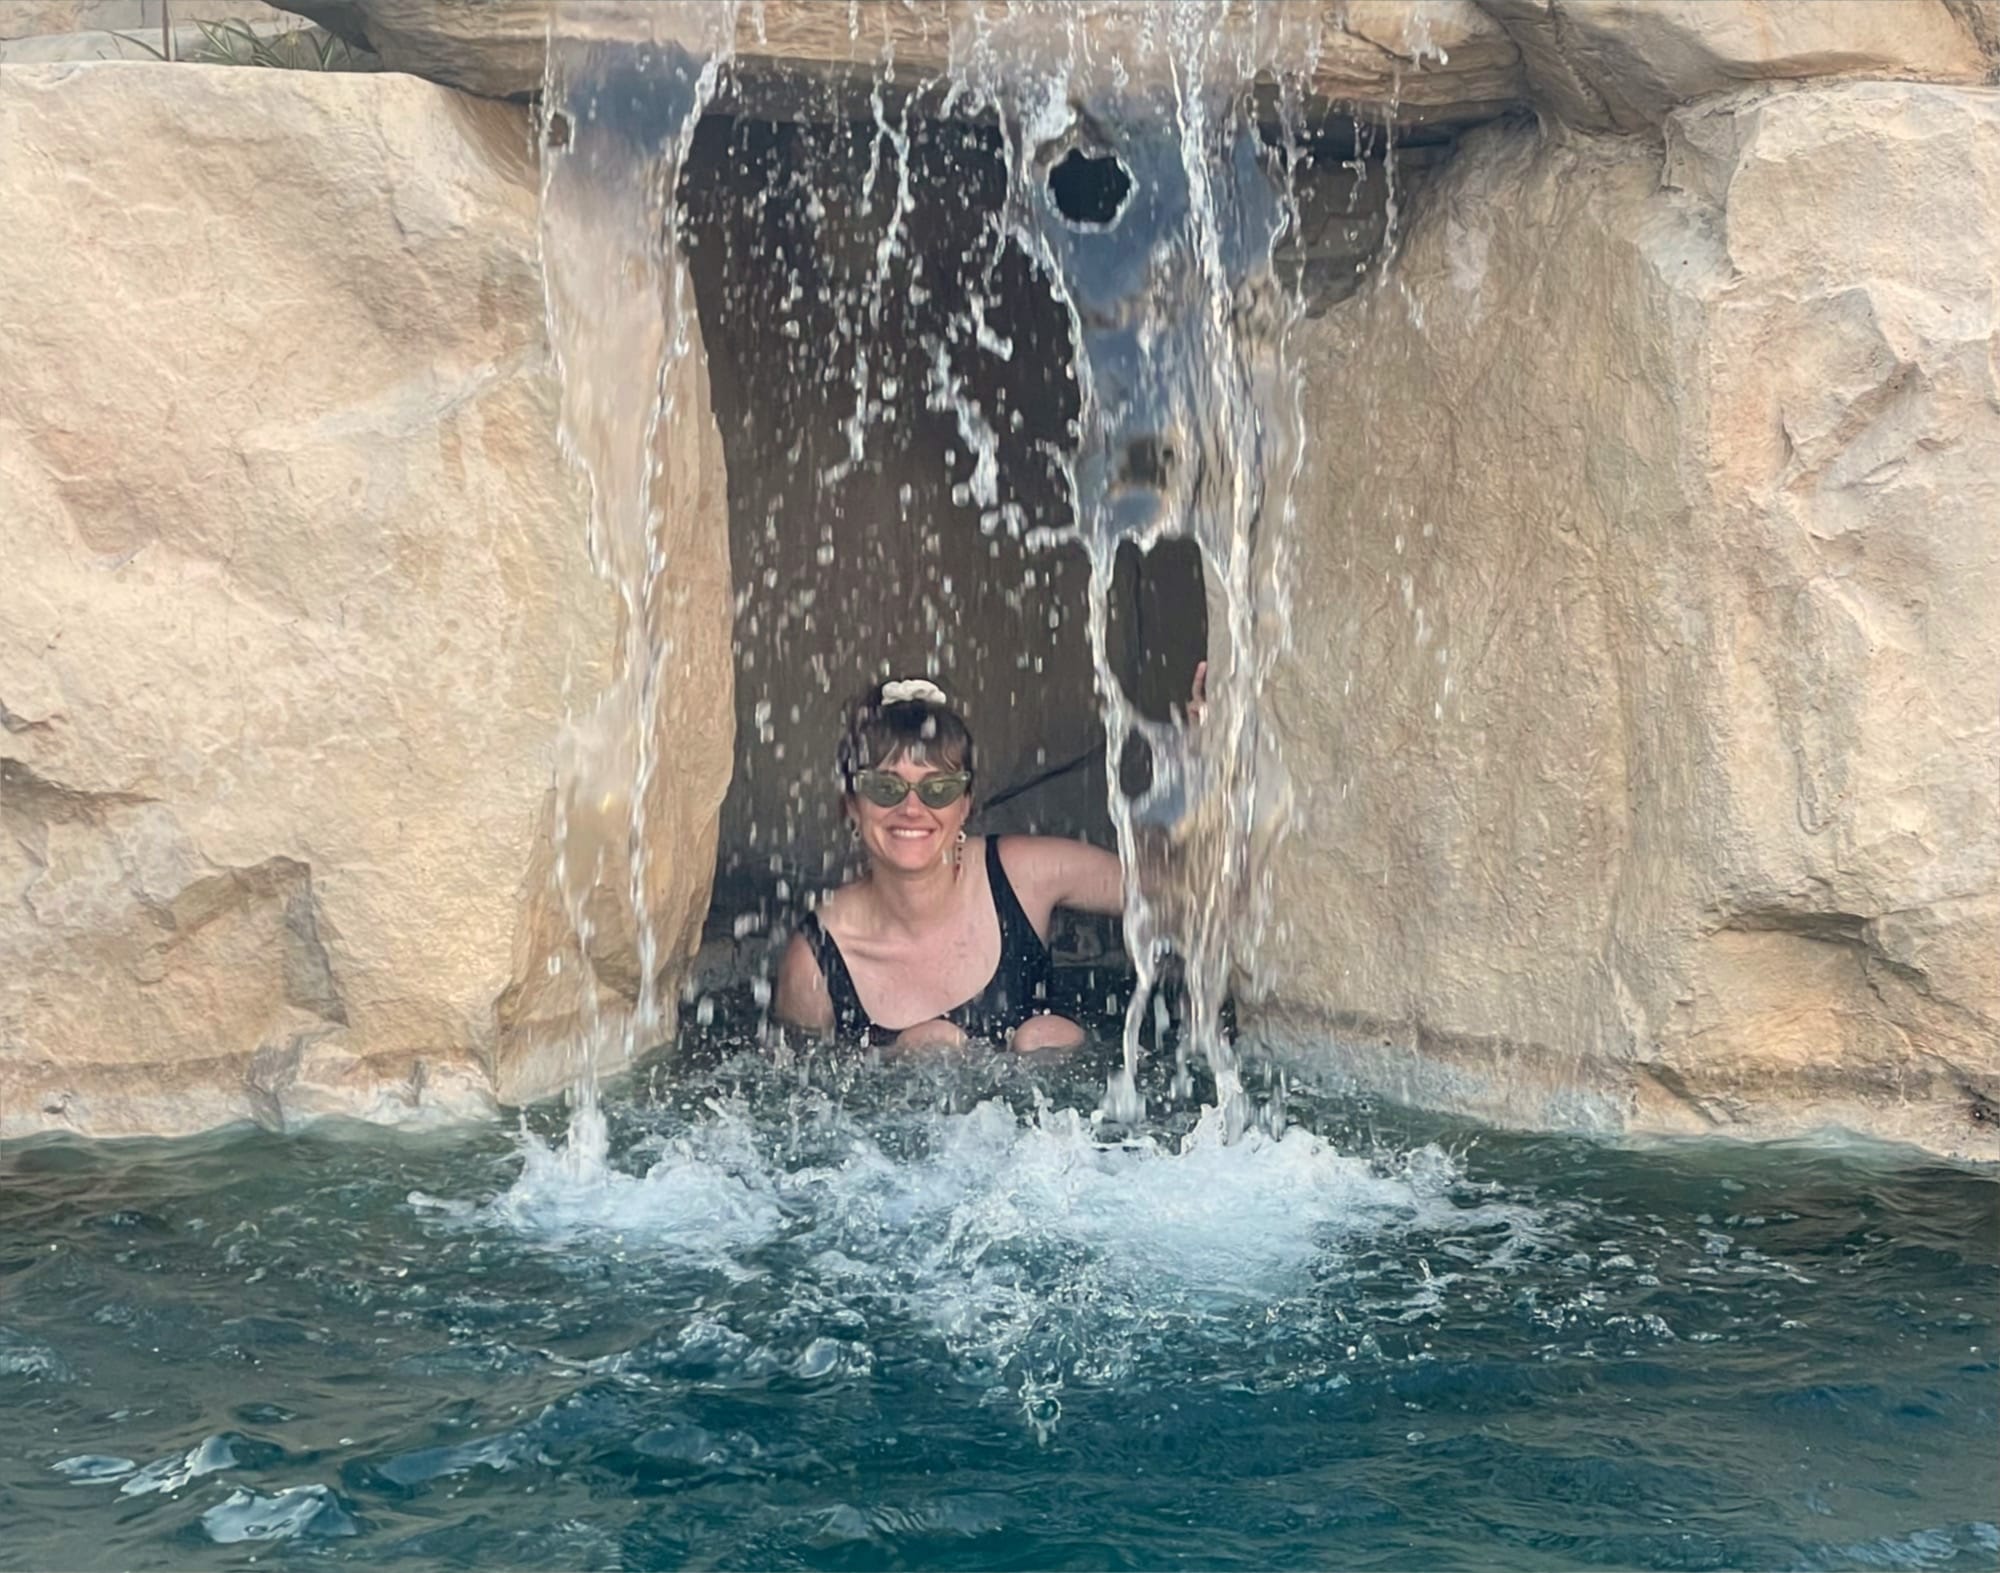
x=941 y=792
x=883 y=791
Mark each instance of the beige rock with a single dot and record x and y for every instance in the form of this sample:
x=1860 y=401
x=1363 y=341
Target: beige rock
x=1423 y=59
x=1623 y=65
x=296 y=580
x=1646 y=697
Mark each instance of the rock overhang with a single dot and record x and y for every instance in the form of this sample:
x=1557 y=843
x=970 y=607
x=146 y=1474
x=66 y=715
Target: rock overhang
x=1413 y=63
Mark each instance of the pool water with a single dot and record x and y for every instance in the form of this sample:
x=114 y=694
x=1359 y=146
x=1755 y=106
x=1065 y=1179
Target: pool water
x=929 y=1315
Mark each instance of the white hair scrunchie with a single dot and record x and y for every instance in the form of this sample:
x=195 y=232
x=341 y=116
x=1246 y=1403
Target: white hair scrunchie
x=913 y=690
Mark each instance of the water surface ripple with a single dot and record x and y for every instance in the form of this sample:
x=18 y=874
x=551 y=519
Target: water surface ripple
x=931 y=1317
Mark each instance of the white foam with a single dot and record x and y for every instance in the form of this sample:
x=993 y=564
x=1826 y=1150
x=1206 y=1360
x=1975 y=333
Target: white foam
x=1001 y=1219
x=1038 y=1255
x=1214 y=1219
x=37 y=1362
x=709 y=1195
x=92 y=1469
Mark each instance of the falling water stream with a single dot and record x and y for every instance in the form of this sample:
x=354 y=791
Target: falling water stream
x=1189 y=426
x=624 y=90
x=1150 y=189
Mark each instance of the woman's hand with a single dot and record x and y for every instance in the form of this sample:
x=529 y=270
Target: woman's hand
x=1197 y=704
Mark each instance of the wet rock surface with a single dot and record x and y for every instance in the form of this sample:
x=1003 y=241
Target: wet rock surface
x=296 y=578
x=1625 y=65
x=1647 y=722
x=1430 y=60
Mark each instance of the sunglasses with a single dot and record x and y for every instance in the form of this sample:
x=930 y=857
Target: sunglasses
x=885 y=789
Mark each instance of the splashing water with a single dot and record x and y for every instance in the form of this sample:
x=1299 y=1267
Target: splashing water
x=625 y=87
x=1152 y=192
x=920 y=1314
x=1144 y=188
x=1032 y=1253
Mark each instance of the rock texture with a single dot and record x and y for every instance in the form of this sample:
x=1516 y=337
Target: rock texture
x=296 y=578
x=1625 y=65
x=1419 y=60
x=1646 y=695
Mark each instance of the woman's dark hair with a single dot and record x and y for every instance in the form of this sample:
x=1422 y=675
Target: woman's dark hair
x=879 y=734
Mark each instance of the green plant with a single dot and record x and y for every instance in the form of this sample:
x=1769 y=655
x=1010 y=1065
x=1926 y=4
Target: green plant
x=299 y=49
x=134 y=38
x=239 y=44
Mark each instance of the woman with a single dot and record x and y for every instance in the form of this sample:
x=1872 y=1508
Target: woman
x=944 y=937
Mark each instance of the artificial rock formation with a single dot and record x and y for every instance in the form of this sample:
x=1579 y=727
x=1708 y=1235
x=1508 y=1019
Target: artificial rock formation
x=1625 y=65
x=1600 y=65
x=1416 y=60
x=1643 y=702
x=296 y=581
x=1646 y=698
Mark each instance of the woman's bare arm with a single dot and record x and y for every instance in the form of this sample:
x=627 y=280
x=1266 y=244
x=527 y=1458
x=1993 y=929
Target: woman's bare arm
x=802 y=999
x=1049 y=872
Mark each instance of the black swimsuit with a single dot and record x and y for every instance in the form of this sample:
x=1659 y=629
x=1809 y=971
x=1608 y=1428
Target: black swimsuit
x=1018 y=989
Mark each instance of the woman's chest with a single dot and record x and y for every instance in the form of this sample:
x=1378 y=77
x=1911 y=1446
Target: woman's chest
x=903 y=981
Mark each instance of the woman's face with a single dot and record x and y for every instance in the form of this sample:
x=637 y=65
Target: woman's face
x=909 y=836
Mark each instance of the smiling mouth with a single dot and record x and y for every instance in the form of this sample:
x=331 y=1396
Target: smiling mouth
x=912 y=834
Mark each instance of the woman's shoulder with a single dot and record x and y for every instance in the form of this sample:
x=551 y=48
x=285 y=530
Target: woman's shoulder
x=1028 y=859
x=1025 y=849
x=837 y=909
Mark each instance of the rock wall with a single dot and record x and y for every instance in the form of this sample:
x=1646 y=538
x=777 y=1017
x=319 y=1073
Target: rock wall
x=1625 y=65
x=1644 y=702
x=1415 y=61
x=296 y=578
x=1646 y=697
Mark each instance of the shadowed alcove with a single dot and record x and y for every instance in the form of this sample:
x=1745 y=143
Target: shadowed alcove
x=893 y=384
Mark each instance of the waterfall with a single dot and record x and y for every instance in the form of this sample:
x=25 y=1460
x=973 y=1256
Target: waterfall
x=1151 y=186
x=625 y=86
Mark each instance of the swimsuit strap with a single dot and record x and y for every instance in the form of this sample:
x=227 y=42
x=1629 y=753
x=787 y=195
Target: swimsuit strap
x=1015 y=929
x=1018 y=989
x=849 y=1017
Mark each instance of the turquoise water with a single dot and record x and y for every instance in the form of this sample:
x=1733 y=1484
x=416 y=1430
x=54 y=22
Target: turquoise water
x=929 y=1317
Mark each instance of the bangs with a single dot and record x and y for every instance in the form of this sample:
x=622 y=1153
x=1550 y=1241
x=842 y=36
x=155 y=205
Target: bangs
x=879 y=735
x=887 y=747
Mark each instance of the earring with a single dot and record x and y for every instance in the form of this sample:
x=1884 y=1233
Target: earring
x=958 y=851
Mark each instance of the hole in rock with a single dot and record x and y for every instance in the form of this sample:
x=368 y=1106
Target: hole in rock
x=1090 y=188
x=1156 y=631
